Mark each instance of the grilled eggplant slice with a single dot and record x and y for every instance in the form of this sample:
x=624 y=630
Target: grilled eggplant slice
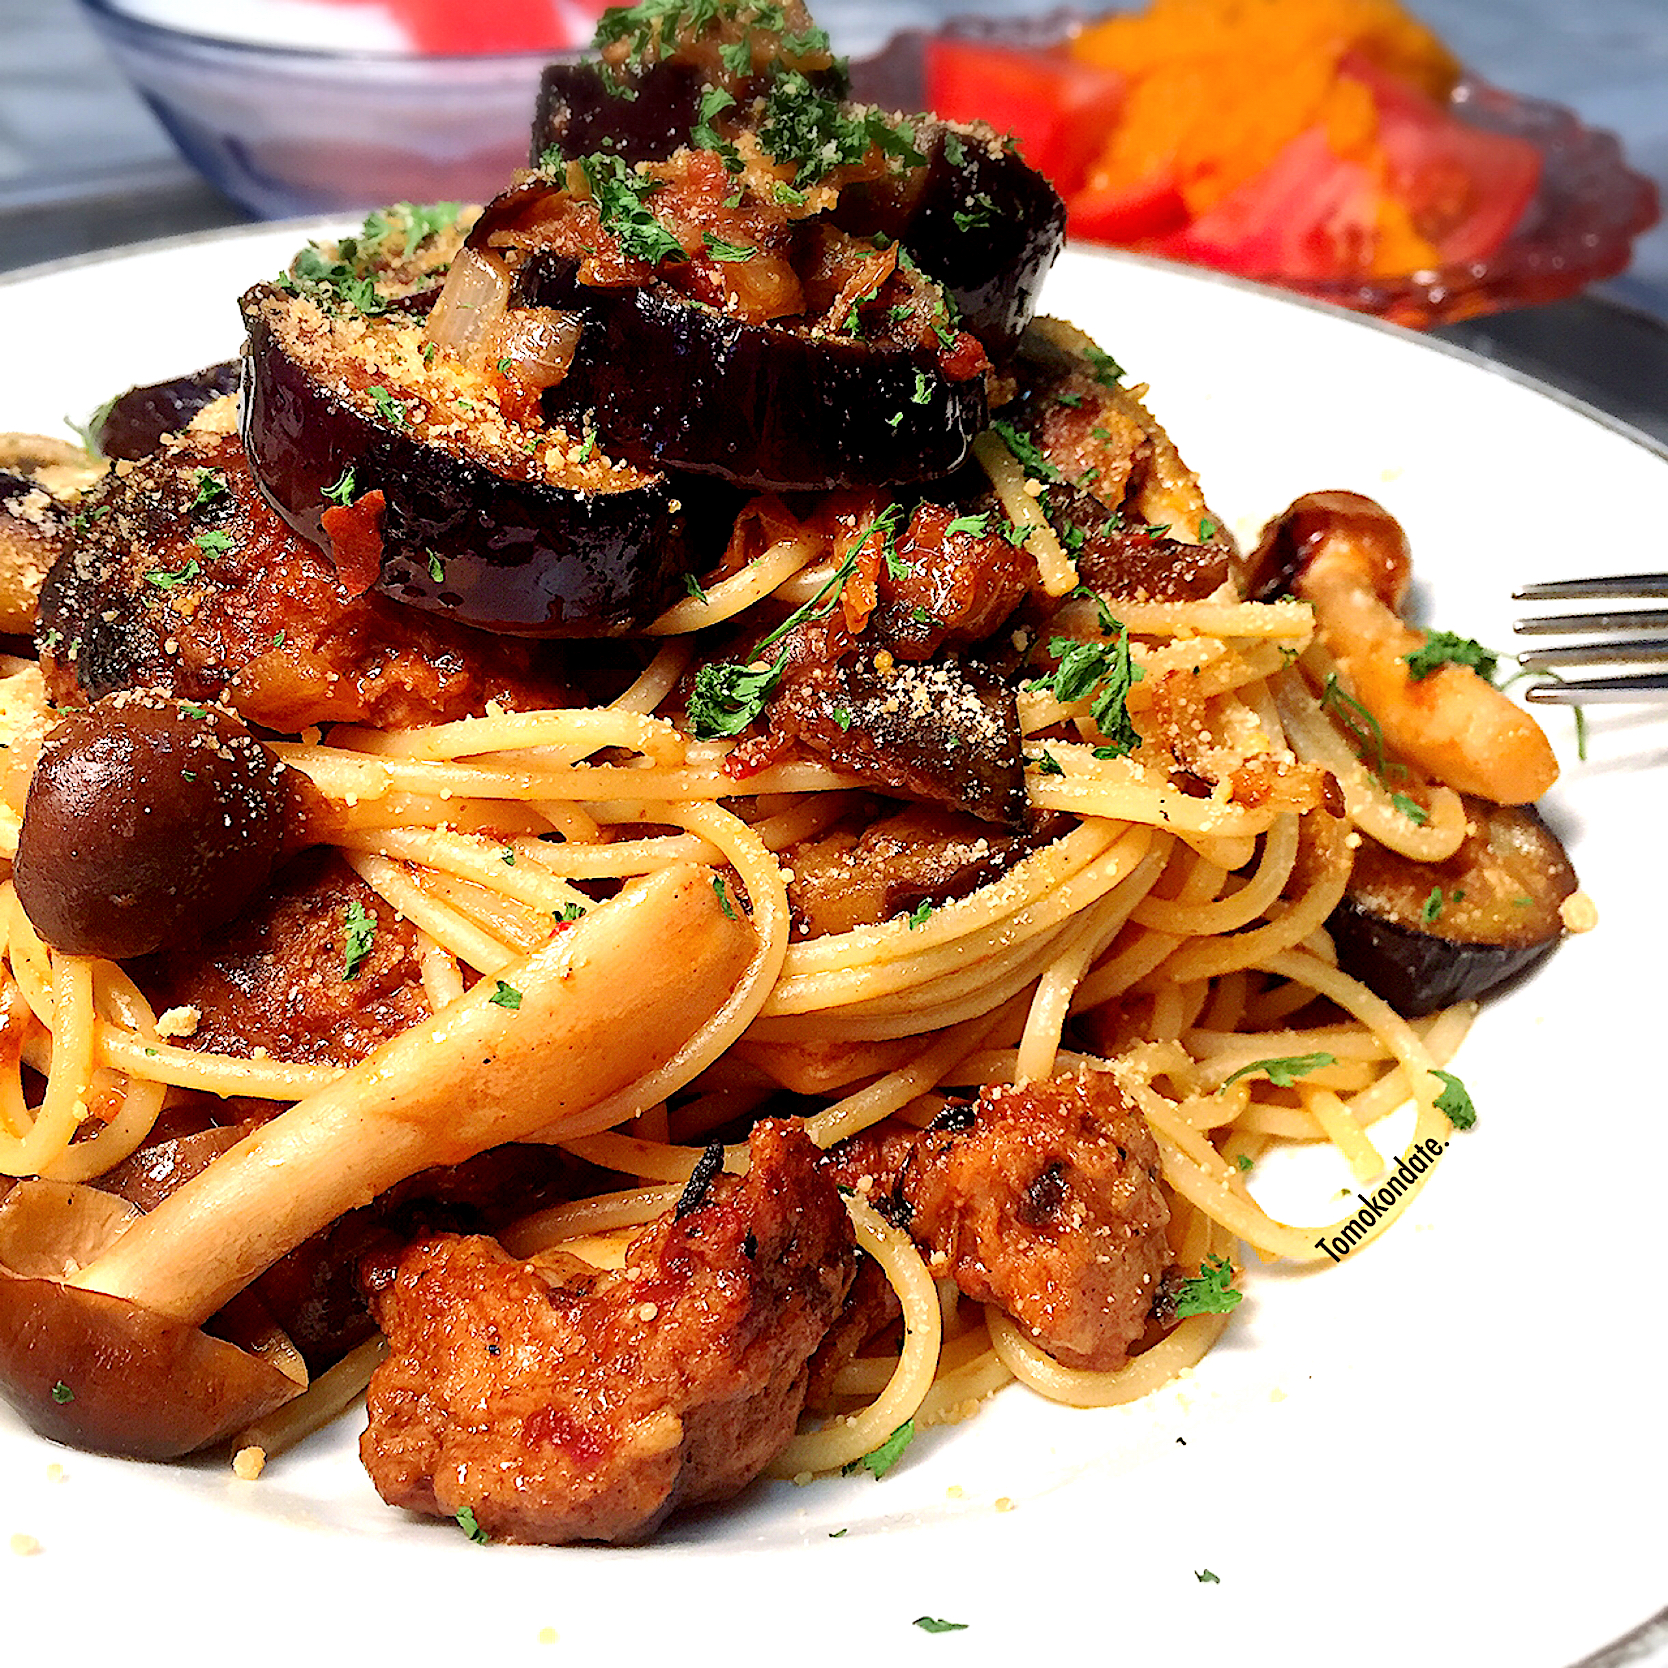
x=772 y=406
x=425 y=487
x=1424 y=935
x=134 y=423
x=976 y=217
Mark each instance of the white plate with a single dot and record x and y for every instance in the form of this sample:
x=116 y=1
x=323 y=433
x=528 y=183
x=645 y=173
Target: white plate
x=1449 y=1449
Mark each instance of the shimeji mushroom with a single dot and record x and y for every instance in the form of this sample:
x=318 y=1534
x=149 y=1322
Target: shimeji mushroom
x=99 y=1322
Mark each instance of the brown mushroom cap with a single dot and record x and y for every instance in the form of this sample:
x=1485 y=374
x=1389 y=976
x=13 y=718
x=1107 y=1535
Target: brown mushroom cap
x=100 y=1372
x=149 y=821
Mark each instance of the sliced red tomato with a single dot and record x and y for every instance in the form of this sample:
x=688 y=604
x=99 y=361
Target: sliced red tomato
x=1309 y=214
x=1465 y=188
x=445 y=27
x=1126 y=214
x=1060 y=110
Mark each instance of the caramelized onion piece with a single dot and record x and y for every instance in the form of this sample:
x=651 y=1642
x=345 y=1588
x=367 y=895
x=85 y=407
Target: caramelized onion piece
x=474 y=300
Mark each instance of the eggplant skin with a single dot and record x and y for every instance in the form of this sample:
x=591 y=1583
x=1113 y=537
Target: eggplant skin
x=134 y=423
x=523 y=557
x=678 y=385
x=986 y=225
x=1504 y=888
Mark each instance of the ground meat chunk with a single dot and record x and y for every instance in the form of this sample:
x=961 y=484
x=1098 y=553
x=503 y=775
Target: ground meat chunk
x=1044 y=1199
x=278 y=977
x=589 y=1407
x=182 y=579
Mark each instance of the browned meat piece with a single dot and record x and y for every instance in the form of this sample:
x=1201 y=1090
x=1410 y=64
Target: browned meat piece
x=853 y=877
x=590 y=1407
x=871 y=1163
x=871 y=1308
x=287 y=975
x=183 y=580
x=1044 y=1200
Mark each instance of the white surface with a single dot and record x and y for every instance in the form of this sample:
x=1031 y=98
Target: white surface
x=1447 y=1450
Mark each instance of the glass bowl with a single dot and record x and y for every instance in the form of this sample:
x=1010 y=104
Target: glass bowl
x=1578 y=229
x=287 y=131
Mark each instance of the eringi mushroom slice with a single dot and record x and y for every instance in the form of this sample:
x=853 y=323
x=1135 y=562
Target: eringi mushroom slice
x=609 y=1000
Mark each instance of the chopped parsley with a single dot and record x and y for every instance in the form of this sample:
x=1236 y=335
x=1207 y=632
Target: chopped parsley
x=937 y=1624
x=467 y=1523
x=505 y=996
x=814 y=133
x=193 y=709
x=61 y=1393
x=213 y=544
x=1108 y=372
x=358 y=934
x=437 y=568
x=1025 y=449
x=1242 y=1162
x=707 y=138
x=920 y=915
x=1444 y=648
x=1284 y=1070
x=720 y=250
x=1207 y=1576
x=836 y=1534
x=507 y=857
x=728 y=696
x=1454 y=1103
x=1210 y=1292
x=975 y=524
x=842 y=717
x=724 y=898
x=881 y=1460
x=693 y=587
x=1362 y=727
x=1411 y=809
x=165 y=581
x=399 y=231
x=390 y=408
x=620 y=193
x=338 y=286
x=923 y=388
x=568 y=912
x=1048 y=765
x=1432 y=906
x=90 y=430
x=1106 y=671
x=1207 y=527
x=955 y=152
x=979 y=214
x=342 y=492
x=211 y=488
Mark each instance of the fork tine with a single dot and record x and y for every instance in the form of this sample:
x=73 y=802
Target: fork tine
x=1572 y=590
x=1637 y=619
x=1589 y=654
x=1585 y=691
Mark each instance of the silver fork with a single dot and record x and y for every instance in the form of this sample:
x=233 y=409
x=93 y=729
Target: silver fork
x=1623 y=651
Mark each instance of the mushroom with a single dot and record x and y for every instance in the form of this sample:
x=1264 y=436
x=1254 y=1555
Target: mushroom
x=110 y=1312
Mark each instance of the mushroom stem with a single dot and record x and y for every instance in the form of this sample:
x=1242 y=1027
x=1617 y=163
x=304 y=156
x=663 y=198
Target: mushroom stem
x=611 y=998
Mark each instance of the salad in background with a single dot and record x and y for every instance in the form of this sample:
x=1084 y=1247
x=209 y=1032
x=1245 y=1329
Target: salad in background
x=1309 y=141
